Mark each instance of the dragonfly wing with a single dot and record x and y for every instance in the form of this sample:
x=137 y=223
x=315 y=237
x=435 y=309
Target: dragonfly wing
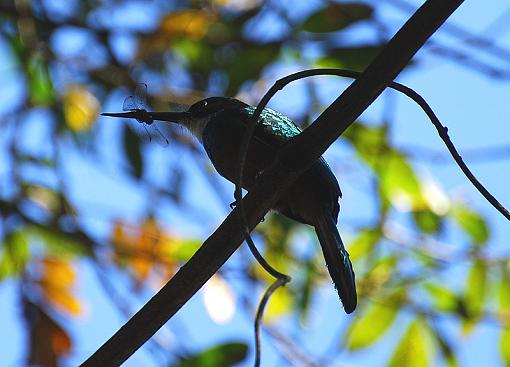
x=129 y=104
x=160 y=132
x=141 y=96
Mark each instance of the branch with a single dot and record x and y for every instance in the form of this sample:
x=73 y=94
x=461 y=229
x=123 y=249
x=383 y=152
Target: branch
x=300 y=153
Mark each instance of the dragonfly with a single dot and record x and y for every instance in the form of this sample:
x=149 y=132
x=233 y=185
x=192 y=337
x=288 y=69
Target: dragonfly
x=149 y=126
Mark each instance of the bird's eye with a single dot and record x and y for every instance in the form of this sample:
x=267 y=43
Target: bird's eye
x=204 y=104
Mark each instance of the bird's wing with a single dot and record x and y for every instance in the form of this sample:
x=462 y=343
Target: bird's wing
x=275 y=129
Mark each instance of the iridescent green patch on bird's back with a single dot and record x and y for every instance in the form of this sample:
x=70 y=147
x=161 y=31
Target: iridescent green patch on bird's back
x=276 y=123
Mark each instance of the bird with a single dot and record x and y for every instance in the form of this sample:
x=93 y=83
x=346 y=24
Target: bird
x=219 y=123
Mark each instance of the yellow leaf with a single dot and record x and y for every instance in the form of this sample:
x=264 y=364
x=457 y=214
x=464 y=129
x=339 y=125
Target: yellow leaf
x=188 y=23
x=58 y=273
x=80 y=108
x=63 y=300
x=280 y=303
x=219 y=300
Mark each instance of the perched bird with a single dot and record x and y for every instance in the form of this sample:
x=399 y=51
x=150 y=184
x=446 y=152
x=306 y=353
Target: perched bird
x=219 y=124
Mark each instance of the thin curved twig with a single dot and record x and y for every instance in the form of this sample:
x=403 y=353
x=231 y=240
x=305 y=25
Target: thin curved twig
x=442 y=130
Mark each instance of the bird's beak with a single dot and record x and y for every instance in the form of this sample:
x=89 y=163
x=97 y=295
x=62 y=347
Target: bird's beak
x=176 y=117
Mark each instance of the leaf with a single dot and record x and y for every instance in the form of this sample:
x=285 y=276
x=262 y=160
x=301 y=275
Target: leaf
x=222 y=355
x=427 y=221
x=15 y=254
x=40 y=84
x=80 y=108
x=57 y=281
x=353 y=58
x=132 y=149
x=280 y=303
x=369 y=327
x=219 y=300
x=473 y=224
x=414 y=347
x=189 y=23
x=398 y=182
x=49 y=341
x=443 y=298
x=476 y=289
x=364 y=243
x=504 y=346
x=335 y=17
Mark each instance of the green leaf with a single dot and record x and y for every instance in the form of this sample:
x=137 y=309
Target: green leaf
x=414 y=347
x=427 y=221
x=504 y=346
x=353 y=58
x=15 y=254
x=57 y=242
x=132 y=149
x=364 y=243
x=40 y=85
x=369 y=327
x=336 y=16
x=443 y=298
x=398 y=181
x=476 y=288
x=473 y=224
x=223 y=355
x=368 y=141
x=504 y=290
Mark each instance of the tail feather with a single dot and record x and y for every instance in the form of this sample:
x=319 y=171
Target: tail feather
x=337 y=260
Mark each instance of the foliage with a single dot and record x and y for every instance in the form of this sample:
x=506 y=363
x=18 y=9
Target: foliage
x=71 y=61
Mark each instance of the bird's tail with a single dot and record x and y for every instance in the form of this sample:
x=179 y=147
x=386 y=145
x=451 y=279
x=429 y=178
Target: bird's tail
x=337 y=260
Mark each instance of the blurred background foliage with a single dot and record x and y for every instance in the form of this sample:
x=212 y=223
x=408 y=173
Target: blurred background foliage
x=151 y=207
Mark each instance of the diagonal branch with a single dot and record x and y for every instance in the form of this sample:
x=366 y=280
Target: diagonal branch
x=294 y=158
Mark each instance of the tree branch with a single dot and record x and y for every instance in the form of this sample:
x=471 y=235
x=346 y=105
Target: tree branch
x=308 y=146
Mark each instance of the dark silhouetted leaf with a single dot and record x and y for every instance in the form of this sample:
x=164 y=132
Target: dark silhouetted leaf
x=132 y=148
x=335 y=17
x=223 y=355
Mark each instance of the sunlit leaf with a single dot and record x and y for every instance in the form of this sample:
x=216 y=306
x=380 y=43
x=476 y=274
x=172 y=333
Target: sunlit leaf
x=219 y=300
x=476 y=288
x=44 y=197
x=364 y=243
x=336 y=16
x=504 y=346
x=56 y=242
x=280 y=303
x=190 y=23
x=223 y=355
x=399 y=182
x=132 y=150
x=14 y=254
x=371 y=325
x=444 y=299
x=81 y=108
x=472 y=223
x=352 y=58
x=40 y=84
x=414 y=347
x=57 y=281
x=379 y=274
